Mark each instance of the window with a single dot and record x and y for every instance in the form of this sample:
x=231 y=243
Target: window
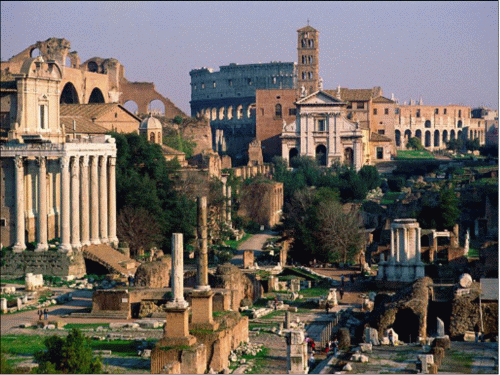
x=381 y=131
x=277 y=111
x=214 y=84
x=262 y=111
x=274 y=80
x=380 y=153
x=436 y=111
x=459 y=113
x=374 y=111
x=396 y=111
x=194 y=86
x=386 y=111
x=292 y=112
x=43 y=116
x=360 y=105
x=444 y=111
x=3 y=222
x=230 y=82
x=418 y=112
x=321 y=125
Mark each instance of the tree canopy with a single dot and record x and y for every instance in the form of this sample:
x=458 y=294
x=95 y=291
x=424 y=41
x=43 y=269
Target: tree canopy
x=70 y=355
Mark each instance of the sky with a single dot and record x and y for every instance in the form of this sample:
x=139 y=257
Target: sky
x=442 y=52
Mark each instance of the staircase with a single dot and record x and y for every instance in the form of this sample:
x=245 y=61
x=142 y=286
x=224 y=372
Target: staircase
x=112 y=259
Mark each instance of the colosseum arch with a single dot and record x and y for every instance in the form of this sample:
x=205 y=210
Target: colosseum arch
x=436 y=138
x=156 y=107
x=407 y=136
x=69 y=95
x=239 y=112
x=251 y=110
x=452 y=135
x=230 y=112
x=96 y=96
x=445 y=136
x=132 y=107
x=427 y=139
x=213 y=115
x=221 y=113
x=418 y=134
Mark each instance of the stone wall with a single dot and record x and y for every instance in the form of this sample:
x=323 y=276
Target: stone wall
x=154 y=274
x=47 y=263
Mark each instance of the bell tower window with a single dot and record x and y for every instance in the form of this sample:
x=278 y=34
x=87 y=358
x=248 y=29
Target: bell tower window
x=43 y=116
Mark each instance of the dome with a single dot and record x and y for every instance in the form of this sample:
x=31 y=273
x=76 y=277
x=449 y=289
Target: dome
x=150 y=123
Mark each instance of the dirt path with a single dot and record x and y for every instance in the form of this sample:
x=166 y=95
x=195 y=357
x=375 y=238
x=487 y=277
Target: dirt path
x=254 y=242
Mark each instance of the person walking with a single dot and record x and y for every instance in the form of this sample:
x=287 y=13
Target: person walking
x=342 y=280
x=40 y=314
x=46 y=314
x=476 y=332
x=335 y=346
x=341 y=291
x=311 y=361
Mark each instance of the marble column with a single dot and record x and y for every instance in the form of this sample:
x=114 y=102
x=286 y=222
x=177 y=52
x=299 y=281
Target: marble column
x=42 y=204
x=20 y=244
x=224 y=202
x=103 y=198
x=75 y=203
x=65 y=209
x=84 y=185
x=177 y=278
x=202 y=245
x=94 y=201
x=112 y=201
x=229 y=219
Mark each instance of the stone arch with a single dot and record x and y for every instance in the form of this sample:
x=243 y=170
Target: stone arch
x=132 y=107
x=230 y=112
x=406 y=325
x=397 y=136
x=407 y=135
x=427 y=138
x=251 y=110
x=35 y=52
x=93 y=67
x=321 y=155
x=349 y=156
x=459 y=134
x=418 y=134
x=96 y=96
x=452 y=135
x=68 y=62
x=213 y=114
x=445 y=136
x=239 y=112
x=69 y=95
x=221 y=113
x=293 y=153
x=459 y=124
x=436 y=138
x=156 y=107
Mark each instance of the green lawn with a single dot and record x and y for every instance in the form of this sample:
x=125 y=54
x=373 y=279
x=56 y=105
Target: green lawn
x=85 y=325
x=314 y=292
x=390 y=198
x=234 y=244
x=414 y=154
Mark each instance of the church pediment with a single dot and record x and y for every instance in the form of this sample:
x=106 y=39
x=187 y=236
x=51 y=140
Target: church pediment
x=320 y=98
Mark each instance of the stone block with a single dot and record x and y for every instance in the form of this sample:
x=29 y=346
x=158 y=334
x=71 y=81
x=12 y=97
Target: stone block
x=366 y=347
x=469 y=336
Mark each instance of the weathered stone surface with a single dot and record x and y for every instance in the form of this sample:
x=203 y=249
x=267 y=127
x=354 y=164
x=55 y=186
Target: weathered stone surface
x=155 y=274
x=344 y=338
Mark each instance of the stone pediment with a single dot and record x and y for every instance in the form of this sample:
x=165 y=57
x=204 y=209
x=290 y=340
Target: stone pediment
x=320 y=98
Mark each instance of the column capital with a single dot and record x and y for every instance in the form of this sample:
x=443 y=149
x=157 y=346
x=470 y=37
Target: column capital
x=19 y=161
x=112 y=161
x=102 y=160
x=84 y=161
x=64 y=160
x=75 y=164
x=41 y=161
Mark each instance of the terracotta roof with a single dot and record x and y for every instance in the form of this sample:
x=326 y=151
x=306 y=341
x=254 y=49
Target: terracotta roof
x=381 y=99
x=90 y=111
x=307 y=28
x=353 y=95
x=81 y=125
x=171 y=151
x=374 y=137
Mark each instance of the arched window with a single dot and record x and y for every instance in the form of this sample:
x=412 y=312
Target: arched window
x=427 y=124
x=452 y=135
x=230 y=112
x=397 y=135
x=96 y=96
x=407 y=135
x=92 y=66
x=69 y=95
x=152 y=137
x=418 y=134
x=427 y=139
x=445 y=136
x=292 y=153
x=321 y=155
x=459 y=124
x=349 y=156
x=239 y=112
x=436 y=138
x=214 y=114
x=278 y=111
x=221 y=113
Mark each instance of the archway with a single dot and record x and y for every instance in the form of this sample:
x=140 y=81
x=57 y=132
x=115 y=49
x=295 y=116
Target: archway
x=321 y=155
x=436 y=138
x=156 y=107
x=349 y=156
x=418 y=134
x=452 y=135
x=292 y=154
x=221 y=113
x=459 y=134
x=407 y=135
x=92 y=67
x=251 y=111
x=213 y=115
x=152 y=137
x=407 y=325
x=132 y=107
x=427 y=139
x=35 y=52
x=459 y=124
x=96 y=96
x=397 y=135
x=69 y=95
x=230 y=112
x=445 y=136
x=67 y=62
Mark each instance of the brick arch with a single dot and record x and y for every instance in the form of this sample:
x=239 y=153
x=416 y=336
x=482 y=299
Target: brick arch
x=69 y=94
x=96 y=96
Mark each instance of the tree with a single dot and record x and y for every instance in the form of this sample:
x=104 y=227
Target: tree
x=369 y=175
x=472 y=144
x=415 y=143
x=439 y=211
x=455 y=144
x=70 y=355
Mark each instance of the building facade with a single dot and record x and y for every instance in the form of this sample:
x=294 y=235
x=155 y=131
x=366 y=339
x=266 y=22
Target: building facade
x=53 y=187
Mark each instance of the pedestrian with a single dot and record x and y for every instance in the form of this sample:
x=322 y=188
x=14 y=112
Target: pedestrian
x=327 y=307
x=46 y=314
x=335 y=346
x=276 y=303
x=311 y=361
x=476 y=332
x=342 y=280
x=313 y=345
x=341 y=291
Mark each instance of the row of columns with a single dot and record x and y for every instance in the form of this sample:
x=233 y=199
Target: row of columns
x=87 y=216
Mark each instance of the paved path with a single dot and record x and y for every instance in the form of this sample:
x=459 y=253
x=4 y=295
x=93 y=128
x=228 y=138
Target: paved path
x=254 y=242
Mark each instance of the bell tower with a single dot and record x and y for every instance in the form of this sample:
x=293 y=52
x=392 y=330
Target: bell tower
x=308 y=60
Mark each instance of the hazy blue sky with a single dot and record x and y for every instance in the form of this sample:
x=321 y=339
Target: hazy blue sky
x=444 y=52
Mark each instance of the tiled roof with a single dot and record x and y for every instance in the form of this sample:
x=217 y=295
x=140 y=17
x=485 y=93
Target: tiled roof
x=374 y=137
x=307 y=28
x=90 y=111
x=81 y=125
x=381 y=99
x=355 y=95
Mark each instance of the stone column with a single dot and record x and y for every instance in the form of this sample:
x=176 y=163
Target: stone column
x=42 y=204
x=224 y=202
x=202 y=245
x=94 y=201
x=84 y=185
x=103 y=198
x=65 y=210
x=177 y=278
x=20 y=244
x=112 y=201
x=229 y=219
x=75 y=203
